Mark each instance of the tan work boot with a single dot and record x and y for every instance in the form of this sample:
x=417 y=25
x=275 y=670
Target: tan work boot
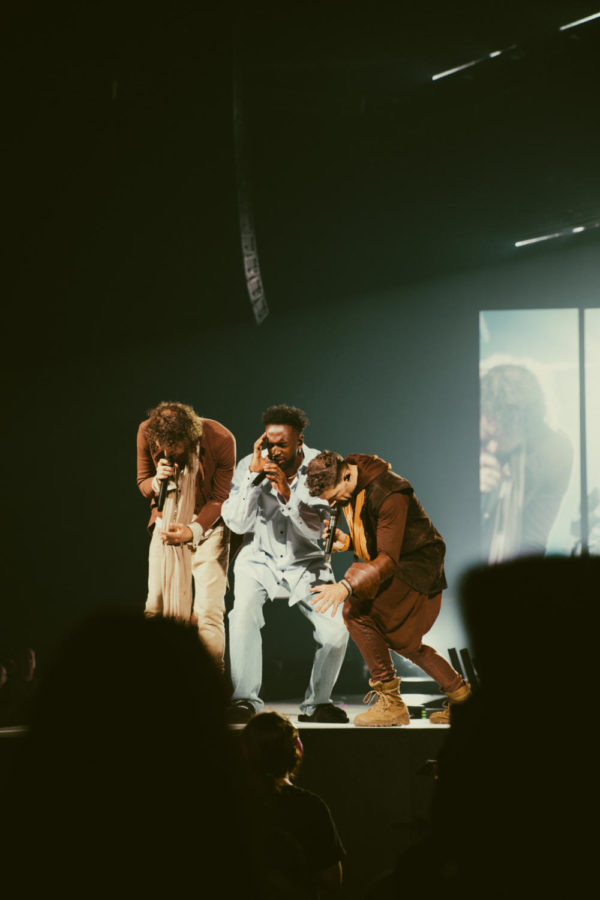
x=442 y=717
x=390 y=708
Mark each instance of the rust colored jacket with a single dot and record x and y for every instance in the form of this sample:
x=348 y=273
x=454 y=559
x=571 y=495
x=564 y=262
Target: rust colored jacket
x=217 y=462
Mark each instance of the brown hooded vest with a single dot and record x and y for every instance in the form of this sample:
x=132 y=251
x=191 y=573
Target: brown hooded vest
x=421 y=560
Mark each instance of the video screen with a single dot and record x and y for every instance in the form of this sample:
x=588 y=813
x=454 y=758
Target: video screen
x=530 y=432
x=592 y=426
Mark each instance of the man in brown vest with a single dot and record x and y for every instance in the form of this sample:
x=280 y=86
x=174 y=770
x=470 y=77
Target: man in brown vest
x=392 y=593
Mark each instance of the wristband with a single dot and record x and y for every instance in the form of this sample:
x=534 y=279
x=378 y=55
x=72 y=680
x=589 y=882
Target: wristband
x=346 y=585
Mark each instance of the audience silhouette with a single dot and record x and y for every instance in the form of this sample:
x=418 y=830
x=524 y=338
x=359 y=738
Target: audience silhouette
x=17 y=685
x=301 y=850
x=128 y=780
x=515 y=794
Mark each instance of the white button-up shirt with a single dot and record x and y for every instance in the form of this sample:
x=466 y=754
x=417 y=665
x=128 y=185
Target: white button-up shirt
x=281 y=547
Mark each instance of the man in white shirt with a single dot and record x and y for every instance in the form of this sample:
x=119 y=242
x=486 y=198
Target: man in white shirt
x=281 y=557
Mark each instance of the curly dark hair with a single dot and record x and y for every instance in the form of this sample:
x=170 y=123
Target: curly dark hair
x=271 y=746
x=170 y=423
x=512 y=397
x=324 y=472
x=285 y=415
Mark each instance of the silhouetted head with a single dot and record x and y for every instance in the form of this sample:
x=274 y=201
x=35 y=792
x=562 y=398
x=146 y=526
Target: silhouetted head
x=271 y=746
x=128 y=766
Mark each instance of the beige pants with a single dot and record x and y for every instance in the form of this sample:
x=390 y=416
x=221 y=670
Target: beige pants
x=209 y=571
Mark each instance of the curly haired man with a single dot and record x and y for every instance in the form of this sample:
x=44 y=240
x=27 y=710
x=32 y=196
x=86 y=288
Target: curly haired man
x=189 y=549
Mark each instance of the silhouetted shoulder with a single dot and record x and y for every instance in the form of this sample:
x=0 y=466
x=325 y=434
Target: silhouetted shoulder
x=308 y=818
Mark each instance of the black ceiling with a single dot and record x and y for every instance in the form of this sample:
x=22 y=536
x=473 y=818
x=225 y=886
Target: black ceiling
x=399 y=177
x=120 y=195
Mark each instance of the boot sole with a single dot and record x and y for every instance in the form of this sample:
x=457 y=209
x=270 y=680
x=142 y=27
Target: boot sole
x=381 y=724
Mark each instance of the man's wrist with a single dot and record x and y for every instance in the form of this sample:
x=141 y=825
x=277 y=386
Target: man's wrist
x=251 y=475
x=347 y=585
x=197 y=533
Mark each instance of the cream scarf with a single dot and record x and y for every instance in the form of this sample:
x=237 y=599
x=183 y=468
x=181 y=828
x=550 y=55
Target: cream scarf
x=175 y=561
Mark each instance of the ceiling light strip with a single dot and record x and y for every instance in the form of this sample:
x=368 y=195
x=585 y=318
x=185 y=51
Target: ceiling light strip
x=579 y=22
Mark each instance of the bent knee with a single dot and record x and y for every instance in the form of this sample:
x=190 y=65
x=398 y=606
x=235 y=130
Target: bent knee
x=339 y=641
x=415 y=652
x=335 y=639
x=246 y=613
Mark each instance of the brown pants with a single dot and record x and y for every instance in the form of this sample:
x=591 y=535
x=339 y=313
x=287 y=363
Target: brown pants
x=397 y=619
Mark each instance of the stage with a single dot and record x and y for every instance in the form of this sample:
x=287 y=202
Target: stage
x=353 y=706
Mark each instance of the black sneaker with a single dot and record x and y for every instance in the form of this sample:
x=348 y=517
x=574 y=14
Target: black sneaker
x=240 y=712
x=325 y=712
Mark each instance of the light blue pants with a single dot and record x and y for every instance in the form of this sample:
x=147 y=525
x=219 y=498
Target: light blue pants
x=245 y=645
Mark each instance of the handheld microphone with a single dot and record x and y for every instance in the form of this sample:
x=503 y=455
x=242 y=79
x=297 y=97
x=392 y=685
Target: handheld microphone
x=162 y=494
x=333 y=520
x=262 y=475
x=489 y=502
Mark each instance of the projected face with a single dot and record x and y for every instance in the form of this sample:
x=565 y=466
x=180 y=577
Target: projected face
x=501 y=437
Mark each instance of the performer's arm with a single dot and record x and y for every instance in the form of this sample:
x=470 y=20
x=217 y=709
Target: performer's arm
x=219 y=489
x=146 y=470
x=391 y=523
x=365 y=578
x=193 y=532
x=240 y=509
x=309 y=515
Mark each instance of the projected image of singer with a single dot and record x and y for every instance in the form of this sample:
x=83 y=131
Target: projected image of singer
x=184 y=466
x=525 y=465
x=392 y=594
x=281 y=558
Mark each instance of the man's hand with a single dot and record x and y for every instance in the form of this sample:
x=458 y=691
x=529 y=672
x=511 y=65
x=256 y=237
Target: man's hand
x=258 y=460
x=278 y=479
x=339 y=543
x=327 y=596
x=490 y=472
x=177 y=534
x=164 y=470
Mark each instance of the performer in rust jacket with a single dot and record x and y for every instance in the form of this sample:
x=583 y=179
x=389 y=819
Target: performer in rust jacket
x=393 y=592
x=196 y=457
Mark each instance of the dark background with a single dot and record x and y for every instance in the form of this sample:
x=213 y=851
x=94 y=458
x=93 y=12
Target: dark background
x=386 y=207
